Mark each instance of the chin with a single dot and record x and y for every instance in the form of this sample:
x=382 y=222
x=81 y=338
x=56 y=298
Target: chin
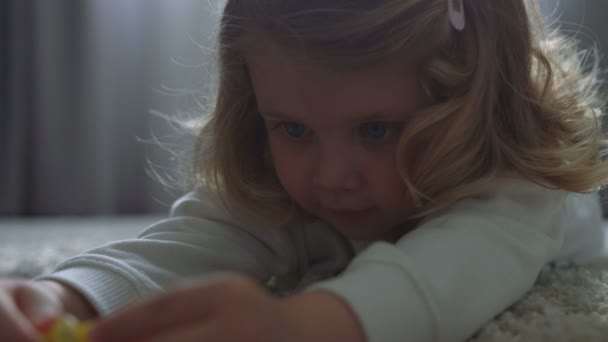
x=369 y=234
x=353 y=234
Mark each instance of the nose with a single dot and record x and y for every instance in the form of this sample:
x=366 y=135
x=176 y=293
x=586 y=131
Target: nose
x=336 y=170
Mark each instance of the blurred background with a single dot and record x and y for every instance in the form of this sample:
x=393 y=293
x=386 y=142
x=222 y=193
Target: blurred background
x=80 y=82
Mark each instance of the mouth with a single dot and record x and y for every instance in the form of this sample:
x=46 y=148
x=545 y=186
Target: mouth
x=349 y=214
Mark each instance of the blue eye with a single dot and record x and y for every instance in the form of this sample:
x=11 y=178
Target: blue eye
x=380 y=132
x=374 y=130
x=294 y=130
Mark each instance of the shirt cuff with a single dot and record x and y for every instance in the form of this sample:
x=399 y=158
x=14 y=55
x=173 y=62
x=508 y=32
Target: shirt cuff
x=106 y=291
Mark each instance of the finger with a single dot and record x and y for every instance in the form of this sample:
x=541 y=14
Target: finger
x=37 y=304
x=167 y=311
x=194 y=333
x=14 y=326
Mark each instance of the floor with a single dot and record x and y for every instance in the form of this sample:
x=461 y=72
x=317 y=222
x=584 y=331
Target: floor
x=29 y=247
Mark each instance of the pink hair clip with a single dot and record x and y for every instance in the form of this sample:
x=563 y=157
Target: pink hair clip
x=456 y=13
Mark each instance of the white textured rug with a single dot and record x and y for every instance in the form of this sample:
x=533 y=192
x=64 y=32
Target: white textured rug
x=565 y=305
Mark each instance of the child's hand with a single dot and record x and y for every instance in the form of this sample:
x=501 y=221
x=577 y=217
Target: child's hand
x=23 y=304
x=230 y=309
x=226 y=309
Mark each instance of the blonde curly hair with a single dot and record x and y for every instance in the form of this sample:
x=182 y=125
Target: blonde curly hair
x=510 y=98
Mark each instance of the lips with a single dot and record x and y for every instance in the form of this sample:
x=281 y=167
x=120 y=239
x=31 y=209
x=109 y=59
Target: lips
x=349 y=214
x=347 y=211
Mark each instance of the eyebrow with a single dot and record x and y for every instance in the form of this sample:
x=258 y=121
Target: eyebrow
x=385 y=115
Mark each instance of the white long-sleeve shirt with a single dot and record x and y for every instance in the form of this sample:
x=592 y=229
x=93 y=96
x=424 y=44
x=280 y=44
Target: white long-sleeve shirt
x=439 y=282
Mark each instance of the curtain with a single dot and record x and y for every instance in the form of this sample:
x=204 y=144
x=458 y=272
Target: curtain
x=80 y=79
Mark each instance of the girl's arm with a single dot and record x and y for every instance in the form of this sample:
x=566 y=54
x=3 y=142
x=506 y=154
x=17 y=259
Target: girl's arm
x=197 y=240
x=323 y=316
x=73 y=302
x=232 y=308
x=444 y=280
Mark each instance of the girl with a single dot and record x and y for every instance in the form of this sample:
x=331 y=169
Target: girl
x=395 y=170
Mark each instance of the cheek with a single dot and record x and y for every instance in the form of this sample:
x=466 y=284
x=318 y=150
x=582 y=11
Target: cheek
x=385 y=181
x=290 y=167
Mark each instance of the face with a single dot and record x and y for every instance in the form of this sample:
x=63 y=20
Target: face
x=333 y=137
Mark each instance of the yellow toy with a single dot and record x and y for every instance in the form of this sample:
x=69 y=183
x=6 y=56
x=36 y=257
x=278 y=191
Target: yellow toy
x=65 y=329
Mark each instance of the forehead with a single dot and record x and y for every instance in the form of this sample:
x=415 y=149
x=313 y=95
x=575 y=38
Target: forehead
x=288 y=83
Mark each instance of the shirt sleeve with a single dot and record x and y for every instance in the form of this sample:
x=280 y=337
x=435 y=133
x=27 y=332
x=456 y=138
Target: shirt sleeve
x=444 y=280
x=198 y=239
